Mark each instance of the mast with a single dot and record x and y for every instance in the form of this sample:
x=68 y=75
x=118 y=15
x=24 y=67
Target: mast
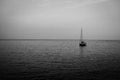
x=82 y=43
x=81 y=37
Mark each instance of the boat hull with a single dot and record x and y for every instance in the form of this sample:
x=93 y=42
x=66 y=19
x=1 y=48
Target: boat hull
x=82 y=44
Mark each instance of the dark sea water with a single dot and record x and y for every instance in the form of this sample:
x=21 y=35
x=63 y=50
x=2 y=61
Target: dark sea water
x=59 y=60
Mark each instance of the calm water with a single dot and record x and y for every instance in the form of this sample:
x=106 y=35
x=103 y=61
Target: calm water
x=59 y=59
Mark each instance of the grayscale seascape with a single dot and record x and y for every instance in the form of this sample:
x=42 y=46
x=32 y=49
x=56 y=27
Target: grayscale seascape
x=59 y=60
x=59 y=39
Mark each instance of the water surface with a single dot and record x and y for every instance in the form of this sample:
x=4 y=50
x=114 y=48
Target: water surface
x=59 y=59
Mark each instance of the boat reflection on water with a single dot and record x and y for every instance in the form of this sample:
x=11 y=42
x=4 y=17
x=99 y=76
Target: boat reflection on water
x=81 y=52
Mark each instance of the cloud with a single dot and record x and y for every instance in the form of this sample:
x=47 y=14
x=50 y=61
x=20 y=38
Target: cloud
x=88 y=2
x=69 y=3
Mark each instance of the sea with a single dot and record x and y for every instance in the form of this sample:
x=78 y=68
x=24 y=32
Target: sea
x=59 y=60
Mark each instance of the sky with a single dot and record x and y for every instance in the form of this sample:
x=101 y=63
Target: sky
x=60 y=19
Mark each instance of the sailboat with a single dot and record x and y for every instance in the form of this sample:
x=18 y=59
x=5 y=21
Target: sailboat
x=82 y=43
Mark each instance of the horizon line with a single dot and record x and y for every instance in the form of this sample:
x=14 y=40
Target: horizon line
x=54 y=39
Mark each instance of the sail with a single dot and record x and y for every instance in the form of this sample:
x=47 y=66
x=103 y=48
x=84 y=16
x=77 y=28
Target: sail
x=81 y=35
x=82 y=43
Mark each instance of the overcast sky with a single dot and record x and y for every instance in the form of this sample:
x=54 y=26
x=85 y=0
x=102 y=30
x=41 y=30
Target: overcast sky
x=59 y=19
